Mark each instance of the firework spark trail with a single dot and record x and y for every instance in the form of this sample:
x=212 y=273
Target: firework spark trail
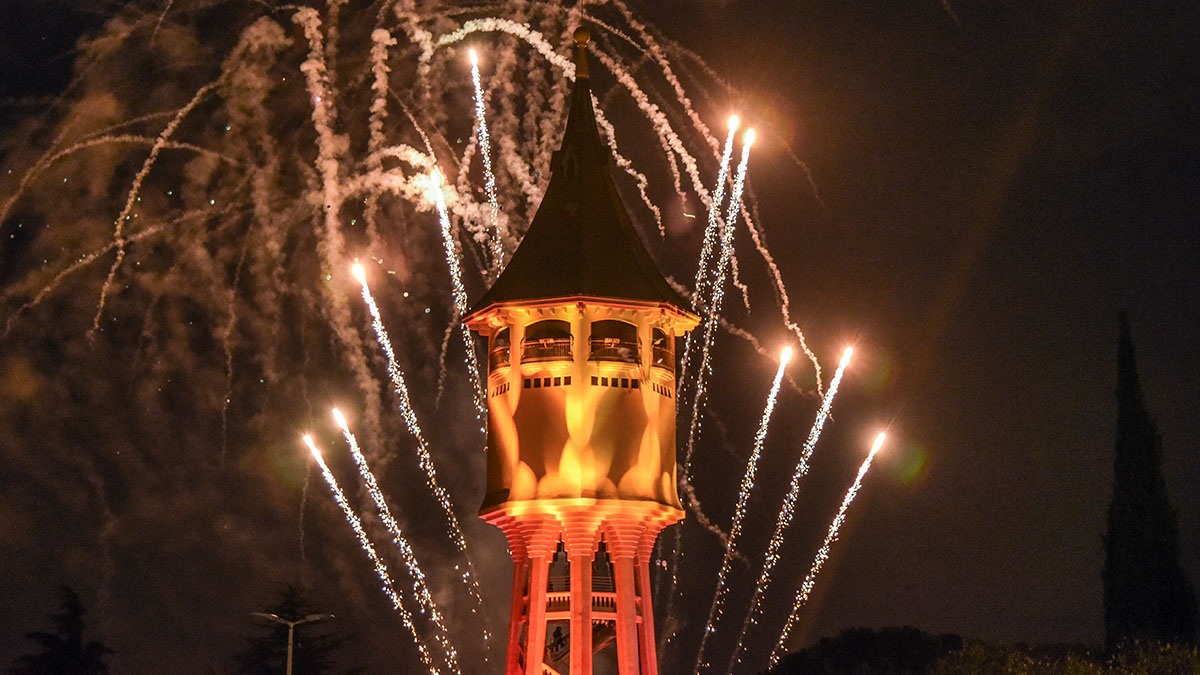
x=460 y=296
x=131 y=198
x=380 y=567
x=424 y=458
x=713 y=311
x=51 y=157
x=489 y=178
x=823 y=554
x=381 y=40
x=610 y=135
x=739 y=512
x=710 y=236
x=331 y=148
x=420 y=587
x=788 y=509
x=714 y=306
x=497 y=25
x=668 y=72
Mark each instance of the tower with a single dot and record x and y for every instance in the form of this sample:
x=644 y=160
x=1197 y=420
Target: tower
x=581 y=329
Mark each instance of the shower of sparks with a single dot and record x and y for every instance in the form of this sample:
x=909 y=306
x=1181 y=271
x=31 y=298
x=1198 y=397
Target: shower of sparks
x=710 y=237
x=788 y=509
x=274 y=184
x=424 y=458
x=823 y=554
x=420 y=587
x=460 y=295
x=712 y=316
x=739 y=512
x=381 y=569
x=489 y=178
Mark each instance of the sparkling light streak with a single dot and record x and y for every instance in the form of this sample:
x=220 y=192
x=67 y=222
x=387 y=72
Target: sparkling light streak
x=710 y=237
x=381 y=569
x=710 y=323
x=489 y=178
x=424 y=458
x=788 y=509
x=714 y=308
x=420 y=587
x=823 y=554
x=716 y=609
x=460 y=295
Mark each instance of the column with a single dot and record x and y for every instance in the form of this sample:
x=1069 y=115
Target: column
x=622 y=539
x=649 y=650
x=518 y=613
x=542 y=535
x=580 y=535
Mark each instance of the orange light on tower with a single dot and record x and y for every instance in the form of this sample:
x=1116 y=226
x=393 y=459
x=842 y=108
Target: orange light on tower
x=581 y=331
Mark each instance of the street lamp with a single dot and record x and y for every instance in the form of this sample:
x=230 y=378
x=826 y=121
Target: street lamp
x=291 y=628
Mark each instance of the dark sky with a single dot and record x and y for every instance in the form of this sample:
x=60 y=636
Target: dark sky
x=995 y=183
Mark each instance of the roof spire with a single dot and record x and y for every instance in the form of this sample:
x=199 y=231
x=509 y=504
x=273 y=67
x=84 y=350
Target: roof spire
x=582 y=35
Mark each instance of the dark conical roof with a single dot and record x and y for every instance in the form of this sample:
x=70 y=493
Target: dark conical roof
x=581 y=241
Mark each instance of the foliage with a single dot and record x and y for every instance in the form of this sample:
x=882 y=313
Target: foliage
x=315 y=647
x=865 y=651
x=1147 y=595
x=978 y=658
x=64 y=652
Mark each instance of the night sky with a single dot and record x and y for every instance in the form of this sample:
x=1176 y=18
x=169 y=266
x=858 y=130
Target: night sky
x=967 y=194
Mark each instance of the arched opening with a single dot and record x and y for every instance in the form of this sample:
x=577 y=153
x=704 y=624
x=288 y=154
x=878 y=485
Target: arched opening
x=548 y=340
x=614 y=341
x=498 y=355
x=662 y=350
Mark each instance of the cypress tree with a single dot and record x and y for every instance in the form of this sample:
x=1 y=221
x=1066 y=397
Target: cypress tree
x=1147 y=596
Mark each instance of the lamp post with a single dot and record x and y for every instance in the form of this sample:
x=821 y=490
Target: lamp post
x=291 y=628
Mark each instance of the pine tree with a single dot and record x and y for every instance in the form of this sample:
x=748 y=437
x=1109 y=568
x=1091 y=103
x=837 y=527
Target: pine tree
x=64 y=652
x=1147 y=596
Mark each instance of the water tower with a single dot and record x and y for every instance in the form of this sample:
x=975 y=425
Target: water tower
x=581 y=331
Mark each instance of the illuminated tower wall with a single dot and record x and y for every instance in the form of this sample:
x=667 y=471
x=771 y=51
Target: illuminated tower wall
x=581 y=330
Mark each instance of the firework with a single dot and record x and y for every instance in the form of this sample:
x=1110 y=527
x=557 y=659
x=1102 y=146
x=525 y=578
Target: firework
x=489 y=178
x=389 y=588
x=420 y=588
x=739 y=511
x=460 y=294
x=788 y=508
x=424 y=458
x=710 y=236
x=823 y=553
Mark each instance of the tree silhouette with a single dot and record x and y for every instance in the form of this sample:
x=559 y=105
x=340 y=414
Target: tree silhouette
x=315 y=647
x=64 y=652
x=865 y=651
x=1147 y=596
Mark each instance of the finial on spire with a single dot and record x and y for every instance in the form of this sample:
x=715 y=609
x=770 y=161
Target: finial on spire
x=582 y=35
